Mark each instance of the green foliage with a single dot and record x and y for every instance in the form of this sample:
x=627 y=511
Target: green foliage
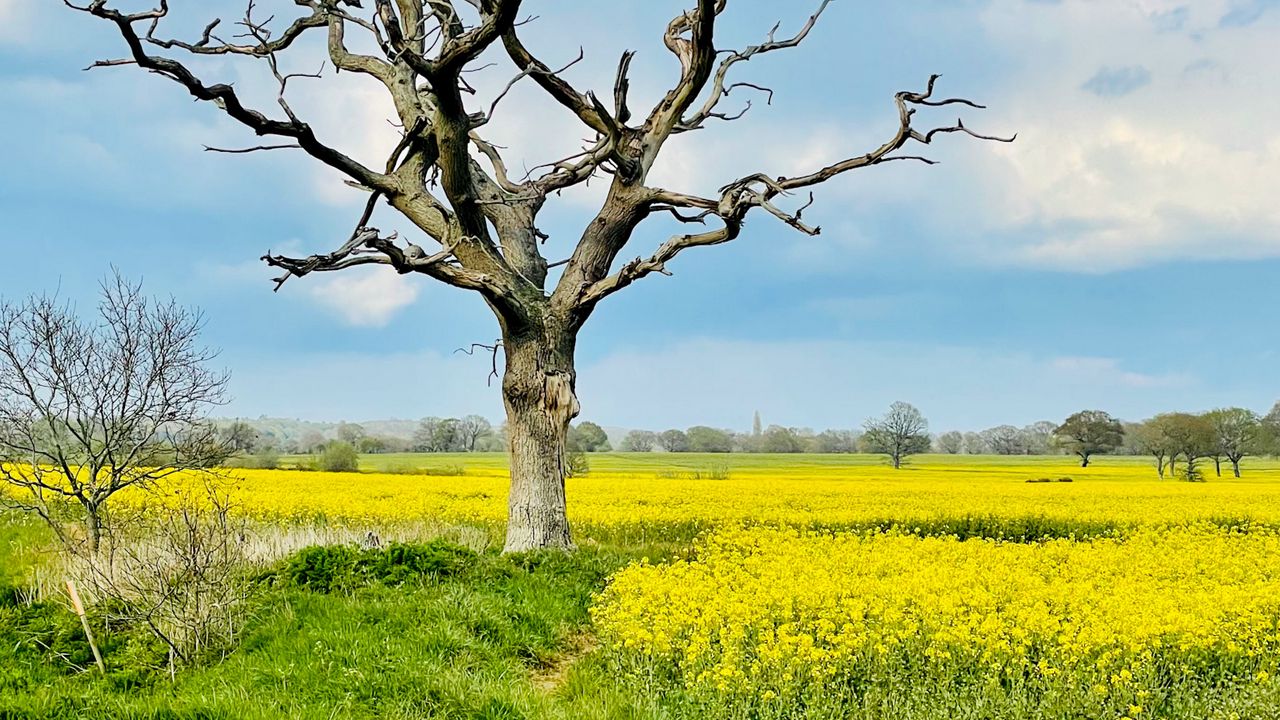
x=267 y=458
x=1089 y=432
x=705 y=439
x=338 y=456
x=43 y=641
x=778 y=439
x=343 y=567
x=588 y=437
x=639 y=441
x=576 y=463
x=674 y=441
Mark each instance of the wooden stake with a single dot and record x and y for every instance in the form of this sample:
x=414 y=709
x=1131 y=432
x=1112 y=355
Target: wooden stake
x=84 y=620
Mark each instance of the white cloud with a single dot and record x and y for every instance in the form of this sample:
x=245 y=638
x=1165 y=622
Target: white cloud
x=368 y=298
x=1108 y=371
x=14 y=21
x=1182 y=169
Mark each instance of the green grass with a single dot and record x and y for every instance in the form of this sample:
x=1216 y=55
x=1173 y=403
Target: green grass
x=492 y=638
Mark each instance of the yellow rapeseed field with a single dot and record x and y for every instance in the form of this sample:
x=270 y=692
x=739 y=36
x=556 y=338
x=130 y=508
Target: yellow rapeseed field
x=636 y=502
x=803 y=586
x=777 y=614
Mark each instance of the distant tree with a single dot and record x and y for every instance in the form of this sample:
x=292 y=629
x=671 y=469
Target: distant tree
x=91 y=406
x=1190 y=437
x=744 y=442
x=371 y=444
x=1152 y=438
x=1089 y=432
x=311 y=442
x=267 y=438
x=756 y=427
x=437 y=435
x=472 y=429
x=901 y=432
x=350 y=433
x=266 y=457
x=778 y=439
x=708 y=440
x=950 y=443
x=836 y=441
x=495 y=441
x=240 y=437
x=338 y=456
x=589 y=437
x=1037 y=438
x=639 y=441
x=975 y=444
x=1270 y=432
x=576 y=463
x=1004 y=440
x=1132 y=444
x=1237 y=432
x=397 y=444
x=674 y=441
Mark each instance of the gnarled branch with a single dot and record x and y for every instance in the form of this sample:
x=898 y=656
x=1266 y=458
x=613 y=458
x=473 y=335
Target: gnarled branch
x=738 y=197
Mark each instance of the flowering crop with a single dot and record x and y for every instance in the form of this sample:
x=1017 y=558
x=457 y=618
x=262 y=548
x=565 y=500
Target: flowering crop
x=778 y=615
x=638 y=502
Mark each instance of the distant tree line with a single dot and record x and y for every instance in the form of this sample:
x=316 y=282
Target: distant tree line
x=472 y=433
x=774 y=439
x=1182 y=444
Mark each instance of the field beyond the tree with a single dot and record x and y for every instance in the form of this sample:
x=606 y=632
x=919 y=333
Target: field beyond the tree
x=635 y=497
x=709 y=586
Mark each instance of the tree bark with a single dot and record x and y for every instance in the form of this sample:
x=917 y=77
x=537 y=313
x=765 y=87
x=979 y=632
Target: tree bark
x=93 y=529
x=538 y=390
x=1084 y=460
x=1235 y=466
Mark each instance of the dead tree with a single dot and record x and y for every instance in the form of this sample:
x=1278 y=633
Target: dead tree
x=454 y=186
x=89 y=408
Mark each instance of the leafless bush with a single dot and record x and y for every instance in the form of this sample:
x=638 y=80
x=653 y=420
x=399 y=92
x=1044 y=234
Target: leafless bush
x=182 y=573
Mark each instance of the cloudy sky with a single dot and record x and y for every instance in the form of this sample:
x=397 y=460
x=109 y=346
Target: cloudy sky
x=1122 y=254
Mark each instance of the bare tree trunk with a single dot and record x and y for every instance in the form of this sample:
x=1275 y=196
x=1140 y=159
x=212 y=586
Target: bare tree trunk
x=1217 y=465
x=1235 y=466
x=93 y=529
x=538 y=390
x=1084 y=460
x=1160 y=466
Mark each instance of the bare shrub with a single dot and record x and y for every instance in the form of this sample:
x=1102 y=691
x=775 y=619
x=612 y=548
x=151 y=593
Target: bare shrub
x=181 y=572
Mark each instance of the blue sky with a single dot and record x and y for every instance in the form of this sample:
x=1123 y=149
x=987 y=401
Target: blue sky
x=1122 y=254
